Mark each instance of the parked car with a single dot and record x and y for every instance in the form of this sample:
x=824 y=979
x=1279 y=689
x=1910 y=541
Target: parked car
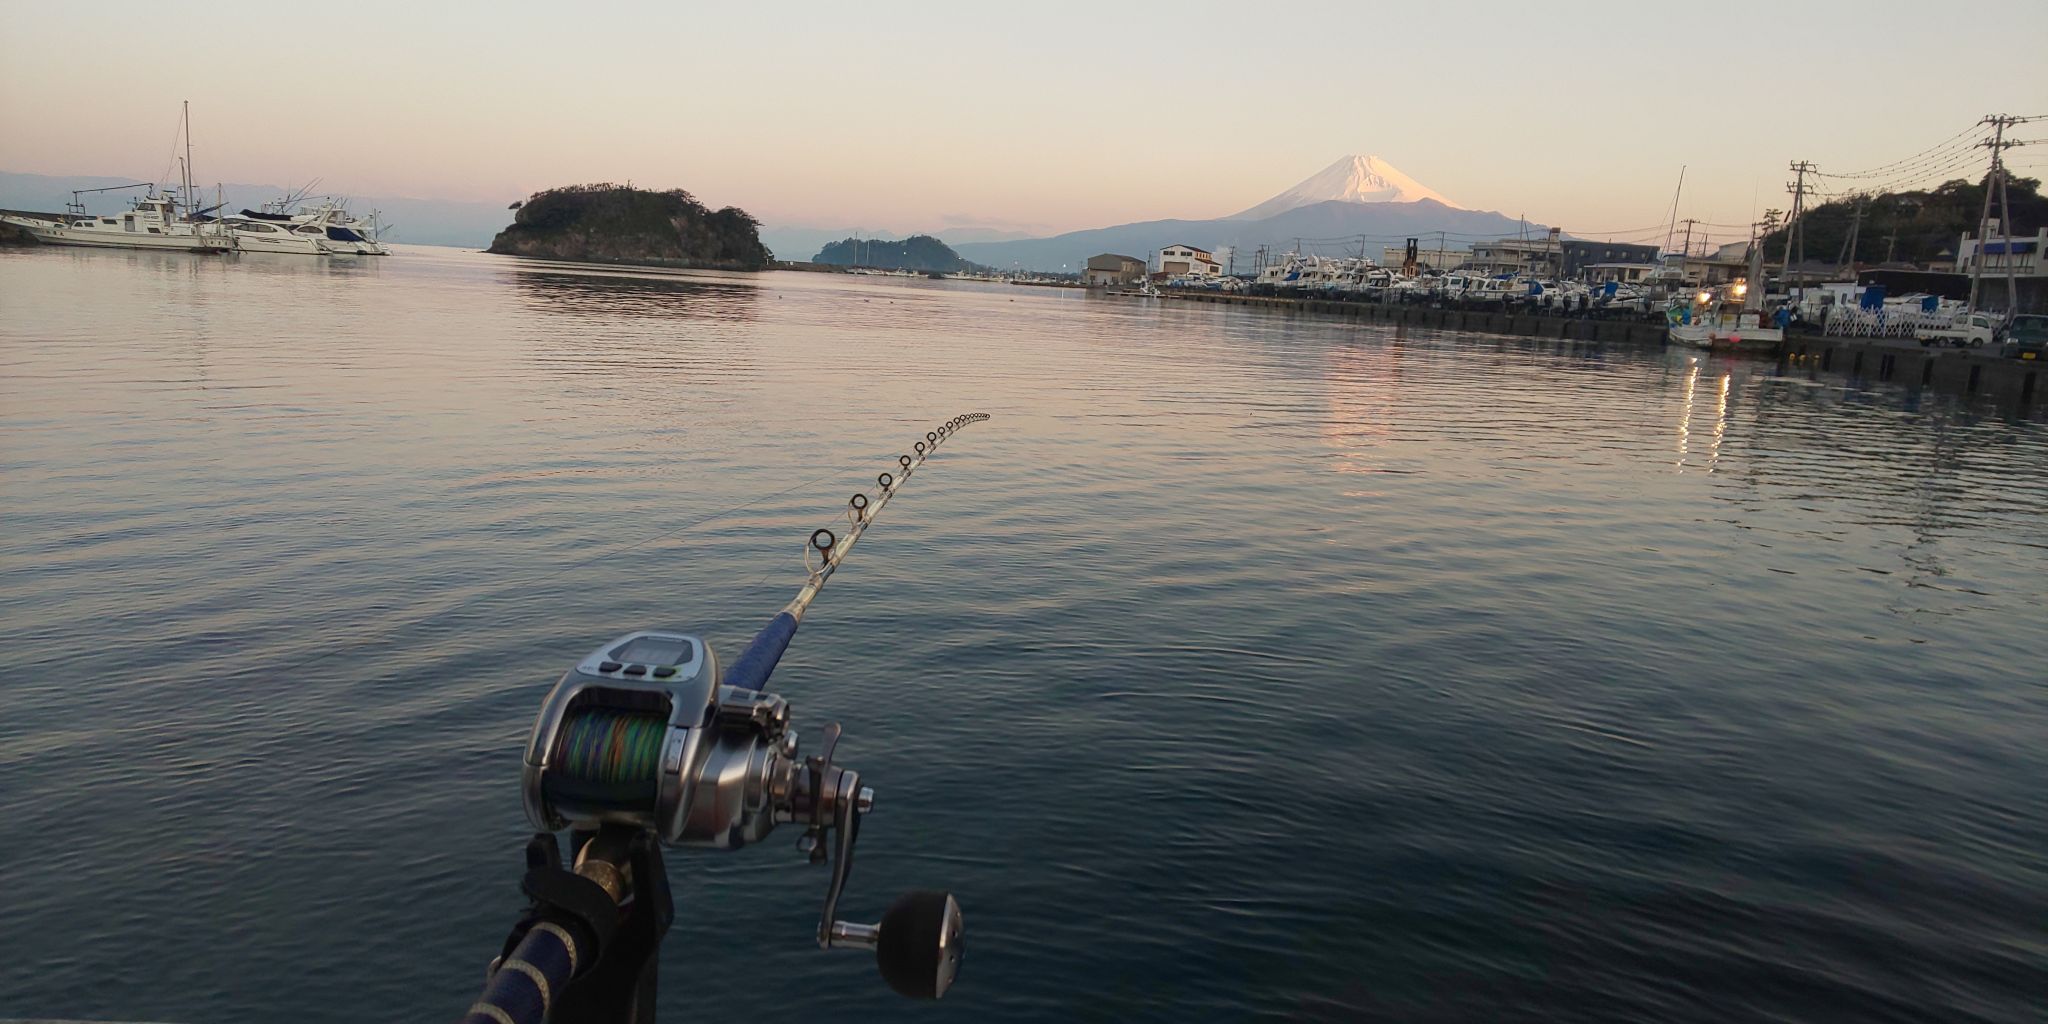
x=1972 y=331
x=2027 y=338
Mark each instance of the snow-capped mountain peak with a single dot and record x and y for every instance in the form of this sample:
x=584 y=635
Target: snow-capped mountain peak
x=1353 y=179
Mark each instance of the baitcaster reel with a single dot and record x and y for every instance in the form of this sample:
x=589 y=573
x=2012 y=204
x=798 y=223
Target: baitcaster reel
x=645 y=744
x=641 y=735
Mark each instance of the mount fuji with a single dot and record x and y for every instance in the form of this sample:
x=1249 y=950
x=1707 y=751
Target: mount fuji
x=1352 y=179
x=1357 y=202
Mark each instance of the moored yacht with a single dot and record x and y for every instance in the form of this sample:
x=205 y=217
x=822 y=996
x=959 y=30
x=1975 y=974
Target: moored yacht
x=344 y=232
x=257 y=234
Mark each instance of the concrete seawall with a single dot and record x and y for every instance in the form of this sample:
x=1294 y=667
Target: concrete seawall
x=2012 y=384
x=1625 y=332
x=2016 y=384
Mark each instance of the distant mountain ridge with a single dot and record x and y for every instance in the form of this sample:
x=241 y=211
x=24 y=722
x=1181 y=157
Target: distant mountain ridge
x=1352 y=179
x=1356 y=202
x=1331 y=226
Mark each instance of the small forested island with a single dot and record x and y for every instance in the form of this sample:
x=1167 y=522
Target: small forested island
x=918 y=252
x=608 y=223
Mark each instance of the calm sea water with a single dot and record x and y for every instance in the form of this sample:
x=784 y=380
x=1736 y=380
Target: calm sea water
x=1241 y=667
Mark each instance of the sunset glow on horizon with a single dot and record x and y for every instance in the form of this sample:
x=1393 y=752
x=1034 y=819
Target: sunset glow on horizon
x=1041 y=119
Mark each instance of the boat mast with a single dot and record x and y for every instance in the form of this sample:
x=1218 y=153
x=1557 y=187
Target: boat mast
x=1673 y=228
x=190 y=204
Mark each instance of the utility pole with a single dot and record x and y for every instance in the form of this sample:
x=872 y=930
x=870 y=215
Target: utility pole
x=1795 y=236
x=1891 y=244
x=1998 y=179
x=1847 y=257
x=1686 y=251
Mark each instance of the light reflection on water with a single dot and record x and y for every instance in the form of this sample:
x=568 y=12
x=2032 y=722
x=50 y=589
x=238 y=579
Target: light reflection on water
x=1242 y=665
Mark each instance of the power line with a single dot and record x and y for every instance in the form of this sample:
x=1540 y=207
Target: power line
x=1882 y=170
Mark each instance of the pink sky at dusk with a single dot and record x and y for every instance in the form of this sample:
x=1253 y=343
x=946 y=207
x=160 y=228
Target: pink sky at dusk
x=1046 y=117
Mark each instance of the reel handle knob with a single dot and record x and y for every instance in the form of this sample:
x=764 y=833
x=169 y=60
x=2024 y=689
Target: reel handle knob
x=918 y=948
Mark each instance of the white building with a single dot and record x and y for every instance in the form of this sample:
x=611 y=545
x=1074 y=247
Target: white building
x=2025 y=257
x=1188 y=261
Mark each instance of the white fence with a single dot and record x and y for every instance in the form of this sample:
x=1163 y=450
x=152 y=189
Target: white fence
x=1853 y=322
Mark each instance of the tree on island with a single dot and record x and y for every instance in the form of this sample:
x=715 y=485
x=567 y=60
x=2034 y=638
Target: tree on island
x=918 y=252
x=608 y=223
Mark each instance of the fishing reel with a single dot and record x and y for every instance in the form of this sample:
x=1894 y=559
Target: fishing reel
x=643 y=737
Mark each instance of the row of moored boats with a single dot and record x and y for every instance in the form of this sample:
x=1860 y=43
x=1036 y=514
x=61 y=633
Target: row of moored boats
x=1726 y=316
x=168 y=219
x=171 y=218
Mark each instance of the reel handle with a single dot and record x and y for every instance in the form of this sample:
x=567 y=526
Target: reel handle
x=917 y=944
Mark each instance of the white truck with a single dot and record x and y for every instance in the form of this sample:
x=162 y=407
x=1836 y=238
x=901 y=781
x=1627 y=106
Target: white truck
x=1972 y=330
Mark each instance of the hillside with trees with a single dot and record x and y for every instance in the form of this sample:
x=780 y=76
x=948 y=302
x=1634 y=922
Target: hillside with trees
x=918 y=252
x=1919 y=227
x=606 y=223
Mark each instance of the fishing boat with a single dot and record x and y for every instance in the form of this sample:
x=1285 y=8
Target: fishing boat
x=151 y=222
x=1728 y=317
x=1720 y=318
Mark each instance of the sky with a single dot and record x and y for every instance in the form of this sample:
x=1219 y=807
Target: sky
x=1037 y=117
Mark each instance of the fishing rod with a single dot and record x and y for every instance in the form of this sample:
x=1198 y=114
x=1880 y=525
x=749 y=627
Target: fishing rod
x=645 y=744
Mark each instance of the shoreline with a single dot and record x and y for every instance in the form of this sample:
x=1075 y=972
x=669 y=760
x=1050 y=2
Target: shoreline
x=2015 y=384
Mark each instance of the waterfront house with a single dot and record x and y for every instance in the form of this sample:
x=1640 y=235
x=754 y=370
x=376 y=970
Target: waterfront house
x=1625 y=273
x=1582 y=256
x=1110 y=270
x=1187 y=261
x=1526 y=257
x=1724 y=265
x=2022 y=256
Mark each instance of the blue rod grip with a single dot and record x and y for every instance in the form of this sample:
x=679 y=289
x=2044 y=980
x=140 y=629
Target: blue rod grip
x=513 y=990
x=750 y=671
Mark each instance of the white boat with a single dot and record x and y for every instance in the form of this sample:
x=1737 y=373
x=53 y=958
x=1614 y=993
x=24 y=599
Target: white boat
x=1728 y=317
x=255 y=234
x=1721 y=318
x=152 y=223
x=342 y=233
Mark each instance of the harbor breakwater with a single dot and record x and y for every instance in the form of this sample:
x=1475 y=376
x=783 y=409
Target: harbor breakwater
x=2012 y=384
x=1627 y=332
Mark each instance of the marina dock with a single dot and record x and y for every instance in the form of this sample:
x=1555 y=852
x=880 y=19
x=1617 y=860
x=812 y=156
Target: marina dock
x=2008 y=382
x=1626 y=332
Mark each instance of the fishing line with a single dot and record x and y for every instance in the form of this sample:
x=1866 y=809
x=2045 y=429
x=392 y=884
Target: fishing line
x=515 y=584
